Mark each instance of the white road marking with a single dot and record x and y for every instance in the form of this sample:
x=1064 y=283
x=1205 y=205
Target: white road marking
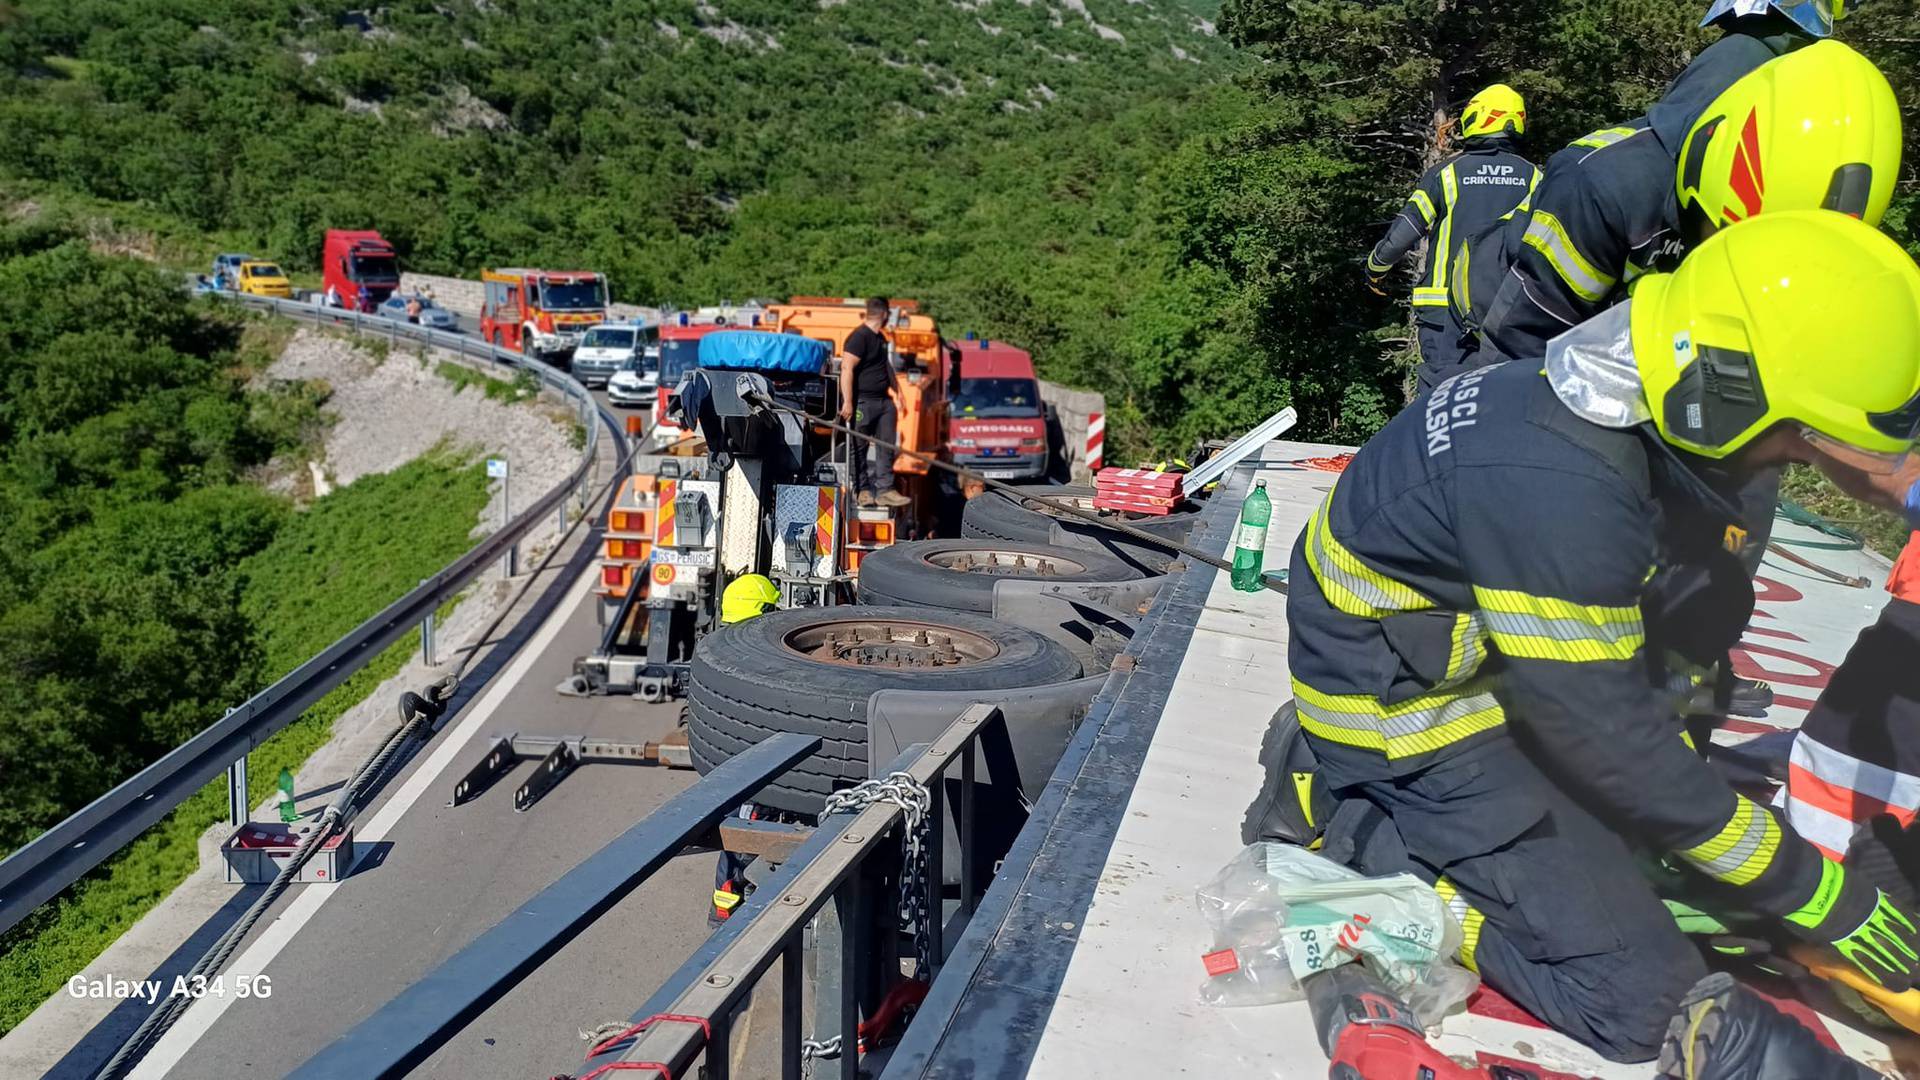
x=195 y=1023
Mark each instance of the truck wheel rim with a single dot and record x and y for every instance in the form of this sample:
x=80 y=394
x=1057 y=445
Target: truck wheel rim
x=890 y=643
x=1009 y=562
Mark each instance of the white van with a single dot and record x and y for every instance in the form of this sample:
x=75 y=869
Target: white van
x=607 y=348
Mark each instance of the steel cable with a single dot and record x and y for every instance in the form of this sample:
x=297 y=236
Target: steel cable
x=764 y=402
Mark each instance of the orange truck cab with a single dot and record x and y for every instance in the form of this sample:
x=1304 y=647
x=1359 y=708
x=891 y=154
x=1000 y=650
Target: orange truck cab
x=996 y=423
x=541 y=313
x=915 y=341
x=358 y=268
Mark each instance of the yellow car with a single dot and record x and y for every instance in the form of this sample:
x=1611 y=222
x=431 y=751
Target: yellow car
x=264 y=279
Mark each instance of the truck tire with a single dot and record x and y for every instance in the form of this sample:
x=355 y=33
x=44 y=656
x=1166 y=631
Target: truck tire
x=755 y=679
x=959 y=575
x=996 y=515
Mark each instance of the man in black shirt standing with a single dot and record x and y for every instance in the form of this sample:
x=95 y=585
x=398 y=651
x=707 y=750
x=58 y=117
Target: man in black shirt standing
x=866 y=386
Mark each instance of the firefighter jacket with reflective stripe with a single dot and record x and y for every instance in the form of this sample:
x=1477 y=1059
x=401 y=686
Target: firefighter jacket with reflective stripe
x=1606 y=212
x=1478 y=574
x=1456 y=197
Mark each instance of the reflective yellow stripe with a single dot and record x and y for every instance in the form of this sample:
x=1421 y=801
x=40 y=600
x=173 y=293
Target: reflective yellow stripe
x=1376 y=265
x=1471 y=919
x=1526 y=204
x=1417 y=726
x=1742 y=849
x=1350 y=585
x=1430 y=296
x=1466 y=648
x=1543 y=628
x=1546 y=235
x=1606 y=137
x=1419 y=201
x=1460 y=292
x=1443 y=244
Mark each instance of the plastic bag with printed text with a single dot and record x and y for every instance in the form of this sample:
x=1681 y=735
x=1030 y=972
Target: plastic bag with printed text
x=1280 y=913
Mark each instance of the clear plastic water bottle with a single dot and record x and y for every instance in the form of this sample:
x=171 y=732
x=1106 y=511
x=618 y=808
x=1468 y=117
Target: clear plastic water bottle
x=1250 y=548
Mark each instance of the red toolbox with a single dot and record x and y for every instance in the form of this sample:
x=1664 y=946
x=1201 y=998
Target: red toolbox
x=256 y=853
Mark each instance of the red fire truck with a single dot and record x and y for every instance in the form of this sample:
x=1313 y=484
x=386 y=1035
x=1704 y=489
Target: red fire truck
x=541 y=313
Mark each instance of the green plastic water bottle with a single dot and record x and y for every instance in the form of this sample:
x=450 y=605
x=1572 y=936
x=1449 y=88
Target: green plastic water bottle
x=1251 y=545
x=289 y=811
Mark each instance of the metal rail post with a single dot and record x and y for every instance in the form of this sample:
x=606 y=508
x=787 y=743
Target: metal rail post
x=426 y=634
x=238 y=810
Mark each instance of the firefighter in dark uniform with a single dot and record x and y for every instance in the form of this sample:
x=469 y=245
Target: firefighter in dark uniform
x=1485 y=610
x=1739 y=132
x=1458 y=196
x=1817 y=127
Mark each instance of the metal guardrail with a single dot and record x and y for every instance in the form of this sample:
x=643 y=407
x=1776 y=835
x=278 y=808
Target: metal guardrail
x=693 y=1012
x=408 y=1029
x=57 y=858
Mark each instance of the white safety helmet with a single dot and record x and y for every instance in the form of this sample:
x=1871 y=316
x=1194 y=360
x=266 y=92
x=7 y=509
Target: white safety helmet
x=1816 y=17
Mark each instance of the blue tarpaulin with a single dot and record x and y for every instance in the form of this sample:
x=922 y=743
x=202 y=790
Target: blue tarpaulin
x=761 y=350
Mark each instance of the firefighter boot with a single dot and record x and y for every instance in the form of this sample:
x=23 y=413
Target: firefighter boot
x=1293 y=805
x=1724 y=1032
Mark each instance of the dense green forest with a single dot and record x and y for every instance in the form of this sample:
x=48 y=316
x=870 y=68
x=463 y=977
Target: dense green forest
x=147 y=581
x=1165 y=210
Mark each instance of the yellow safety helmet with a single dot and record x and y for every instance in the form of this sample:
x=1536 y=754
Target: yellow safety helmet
x=1496 y=110
x=748 y=596
x=1816 y=128
x=1807 y=317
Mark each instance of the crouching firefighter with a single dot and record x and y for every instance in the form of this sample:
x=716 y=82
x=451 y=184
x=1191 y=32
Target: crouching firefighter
x=1481 y=617
x=1455 y=198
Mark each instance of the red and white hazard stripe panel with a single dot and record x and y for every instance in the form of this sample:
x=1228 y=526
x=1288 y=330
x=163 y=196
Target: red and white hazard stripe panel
x=1830 y=792
x=1096 y=441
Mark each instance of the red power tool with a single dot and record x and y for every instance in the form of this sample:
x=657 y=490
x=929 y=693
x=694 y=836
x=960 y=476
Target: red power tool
x=1371 y=1035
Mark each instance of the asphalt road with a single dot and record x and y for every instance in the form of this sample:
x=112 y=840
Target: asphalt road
x=447 y=874
x=439 y=876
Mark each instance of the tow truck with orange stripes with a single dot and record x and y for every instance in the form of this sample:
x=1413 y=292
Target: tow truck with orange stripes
x=682 y=525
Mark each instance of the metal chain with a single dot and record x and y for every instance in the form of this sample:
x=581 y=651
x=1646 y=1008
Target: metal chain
x=914 y=801
x=812 y=1050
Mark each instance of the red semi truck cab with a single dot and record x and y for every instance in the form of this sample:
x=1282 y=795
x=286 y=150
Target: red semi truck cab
x=359 y=268
x=997 y=425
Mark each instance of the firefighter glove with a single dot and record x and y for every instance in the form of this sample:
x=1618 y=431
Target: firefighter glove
x=1864 y=925
x=1885 y=946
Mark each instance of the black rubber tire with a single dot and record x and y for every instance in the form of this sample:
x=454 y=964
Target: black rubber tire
x=904 y=574
x=746 y=684
x=995 y=515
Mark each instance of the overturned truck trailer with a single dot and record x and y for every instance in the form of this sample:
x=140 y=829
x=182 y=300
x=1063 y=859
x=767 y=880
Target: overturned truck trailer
x=996 y=877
